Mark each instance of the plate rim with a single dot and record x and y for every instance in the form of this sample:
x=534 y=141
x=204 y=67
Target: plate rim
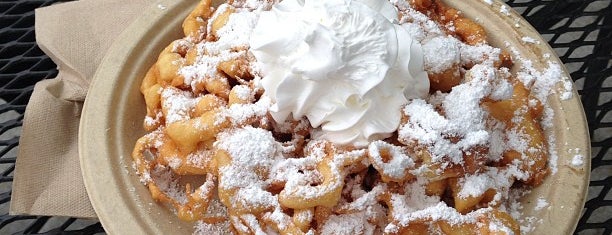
x=119 y=51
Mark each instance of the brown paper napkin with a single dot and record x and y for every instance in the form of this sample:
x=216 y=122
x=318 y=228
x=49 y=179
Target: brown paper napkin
x=76 y=35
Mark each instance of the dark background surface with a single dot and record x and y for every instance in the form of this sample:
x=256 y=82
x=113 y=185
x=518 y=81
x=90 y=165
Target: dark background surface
x=580 y=31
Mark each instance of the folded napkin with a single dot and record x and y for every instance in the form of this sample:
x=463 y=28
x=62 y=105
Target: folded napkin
x=76 y=35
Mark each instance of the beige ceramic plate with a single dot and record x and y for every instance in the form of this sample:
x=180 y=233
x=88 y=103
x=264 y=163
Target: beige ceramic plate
x=114 y=110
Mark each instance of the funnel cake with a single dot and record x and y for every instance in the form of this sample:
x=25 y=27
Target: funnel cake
x=456 y=162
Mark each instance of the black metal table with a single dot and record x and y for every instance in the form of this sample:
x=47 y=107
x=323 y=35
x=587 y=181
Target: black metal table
x=580 y=31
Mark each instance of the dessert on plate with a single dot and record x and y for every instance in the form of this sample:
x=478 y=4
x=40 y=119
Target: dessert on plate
x=343 y=117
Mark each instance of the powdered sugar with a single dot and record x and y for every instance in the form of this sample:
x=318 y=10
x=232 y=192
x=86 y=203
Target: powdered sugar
x=418 y=24
x=164 y=179
x=497 y=141
x=438 y=212
x=504 y=10
x=253 y=224
x=553 y=158
x=177 y=104
x=153 y=121
x=254 y=5
x=398 y=164
x=527 y=224
x=239 y=114
x=477 y=184
x=427 y=127
x=203 y=228
x=498 y=227
x=477 y=54
x=577 y=161
x=449 y=126
x=464 y=117
x=542 y=82
x=303 y=215
x=250 y=148
x=235 y=33
x=530 y=40
x=365 y=201
x=232 y=36
x=255 y=197
x=435 y=63
x=541 y=204
x=252 y=151
x=199 y=158
x=347 y=224
x=243 y=92
x=567 y=92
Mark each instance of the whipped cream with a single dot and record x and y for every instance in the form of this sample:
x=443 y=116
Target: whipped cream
x=345 y=65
